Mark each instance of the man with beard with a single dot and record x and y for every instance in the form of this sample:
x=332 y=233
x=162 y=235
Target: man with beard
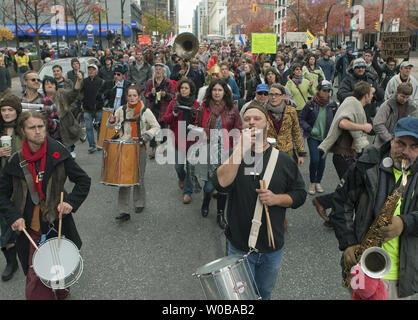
x=356 y=74
x=286 y=189
x=361 y=195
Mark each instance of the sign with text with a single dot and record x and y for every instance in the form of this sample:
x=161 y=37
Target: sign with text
x=144 y=39
x=395 y=44
x=263 y=42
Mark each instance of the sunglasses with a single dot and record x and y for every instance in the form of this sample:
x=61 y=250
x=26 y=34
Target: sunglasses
x=264 y=93
x=118 y=74
x=35 y=80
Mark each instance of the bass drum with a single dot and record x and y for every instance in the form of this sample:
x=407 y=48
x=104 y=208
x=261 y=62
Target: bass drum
x=105 y=132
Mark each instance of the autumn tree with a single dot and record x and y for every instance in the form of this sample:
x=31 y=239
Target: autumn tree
x=163 y=26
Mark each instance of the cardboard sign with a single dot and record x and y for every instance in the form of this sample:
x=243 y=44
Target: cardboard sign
x=263 y=42
x=144 y=39
x=395 y=44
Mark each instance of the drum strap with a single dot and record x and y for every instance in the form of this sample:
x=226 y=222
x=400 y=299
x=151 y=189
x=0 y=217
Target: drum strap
x=29 y=179
x=258 y=212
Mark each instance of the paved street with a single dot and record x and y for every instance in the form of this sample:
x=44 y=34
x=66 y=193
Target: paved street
x=154 y=255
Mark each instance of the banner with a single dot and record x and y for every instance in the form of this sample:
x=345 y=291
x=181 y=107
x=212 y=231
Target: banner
x=310 y=38
x=144 y=39
x=395 y=44
x=263 y=43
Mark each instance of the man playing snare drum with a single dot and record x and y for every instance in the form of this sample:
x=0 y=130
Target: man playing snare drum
x=286 y=190
x=30 y=190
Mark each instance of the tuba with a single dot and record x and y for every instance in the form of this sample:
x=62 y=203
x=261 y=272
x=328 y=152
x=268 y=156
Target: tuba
x=186 y=46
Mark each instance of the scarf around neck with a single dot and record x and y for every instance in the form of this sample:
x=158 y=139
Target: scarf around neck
x=136 y=113
x=320 y=101
x=32 y=159
x=277 y=111
x=216 y=109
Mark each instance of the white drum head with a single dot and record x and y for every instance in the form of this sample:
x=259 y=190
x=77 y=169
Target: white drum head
x=53 y=263
x=219 y=264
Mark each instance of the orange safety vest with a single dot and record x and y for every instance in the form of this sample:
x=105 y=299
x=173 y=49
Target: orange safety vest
x=22 y=61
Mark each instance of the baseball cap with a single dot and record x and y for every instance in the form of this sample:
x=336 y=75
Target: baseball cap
x=92 y=66
x=325 y=85
x=358 y=63
x=406 y=64
x=262 y=87
x=407 y=127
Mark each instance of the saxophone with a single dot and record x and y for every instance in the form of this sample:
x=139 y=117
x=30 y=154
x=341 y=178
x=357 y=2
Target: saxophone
x=373 y=237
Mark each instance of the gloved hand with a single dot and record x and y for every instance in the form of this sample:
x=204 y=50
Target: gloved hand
x=176 y=108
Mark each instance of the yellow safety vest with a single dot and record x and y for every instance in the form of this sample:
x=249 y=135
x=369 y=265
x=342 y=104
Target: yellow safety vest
x=2 y=64
x=22 y=61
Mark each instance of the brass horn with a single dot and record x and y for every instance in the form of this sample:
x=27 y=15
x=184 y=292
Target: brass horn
x=375 y=262
x=186 y=45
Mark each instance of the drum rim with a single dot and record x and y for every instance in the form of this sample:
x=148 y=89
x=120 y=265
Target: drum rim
x=238 y=260
x=121 y=141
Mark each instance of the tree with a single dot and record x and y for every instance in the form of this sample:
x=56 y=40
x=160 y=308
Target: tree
x=164 y=27
x=36 y=14
x=257 y=27
x=81 y=11
x=6 y=34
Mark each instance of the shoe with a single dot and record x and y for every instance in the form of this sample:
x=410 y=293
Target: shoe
x=181 y=184
x=11 y=267
x=205 y=204
x=311 y=189
x=92 y=150
x=73 y=155
x=220 y=219
x=187 y=199
x=319 y=188
x=139 y=209
x=123 y=217
x=99 y=148
x=320 y=209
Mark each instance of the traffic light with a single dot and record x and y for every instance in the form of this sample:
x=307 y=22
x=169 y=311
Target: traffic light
x=254 y=7
x=376 y=25
x=348 y=4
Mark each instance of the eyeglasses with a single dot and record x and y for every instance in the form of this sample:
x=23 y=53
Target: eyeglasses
x=35 y=80
x=263 y=93
x=360 y=67
x=276 y=94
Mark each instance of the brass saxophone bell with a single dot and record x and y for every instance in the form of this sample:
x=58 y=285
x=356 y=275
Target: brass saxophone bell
x=375 y=262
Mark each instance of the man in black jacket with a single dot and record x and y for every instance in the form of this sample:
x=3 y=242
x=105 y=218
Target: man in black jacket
x=114 y=91
x=42 y=167
x=356 y=74
x=361 y=195
x=92 y=103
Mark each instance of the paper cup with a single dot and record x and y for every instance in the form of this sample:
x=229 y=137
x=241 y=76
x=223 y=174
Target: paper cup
x=6 y=141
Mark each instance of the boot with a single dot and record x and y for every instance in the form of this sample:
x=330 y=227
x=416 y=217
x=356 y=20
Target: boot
x=205 y=204
x=220 y=217
x=11 y=266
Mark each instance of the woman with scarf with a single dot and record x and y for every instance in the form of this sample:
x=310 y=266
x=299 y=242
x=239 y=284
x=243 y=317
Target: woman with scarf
x=10 y=110
x=217 y=116
x=284 y=124
x=134 y=119
x=175 y=113
x=299 y=87
x=315 y=120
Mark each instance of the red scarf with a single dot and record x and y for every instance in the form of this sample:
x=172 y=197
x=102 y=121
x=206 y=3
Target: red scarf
x=32 y=158
x=136 y=114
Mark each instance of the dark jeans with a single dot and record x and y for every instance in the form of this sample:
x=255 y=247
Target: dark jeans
x=341 y=164
x=7 y=235
x=317 y=163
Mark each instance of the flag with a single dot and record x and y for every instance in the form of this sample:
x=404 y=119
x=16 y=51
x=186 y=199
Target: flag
x=309 y=38
x=240 y=35
x=168 y=42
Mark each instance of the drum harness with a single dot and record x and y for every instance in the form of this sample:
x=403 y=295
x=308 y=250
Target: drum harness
x=35 y=199
x=138 y=122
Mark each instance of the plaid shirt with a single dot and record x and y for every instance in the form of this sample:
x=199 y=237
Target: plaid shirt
x=50 y=110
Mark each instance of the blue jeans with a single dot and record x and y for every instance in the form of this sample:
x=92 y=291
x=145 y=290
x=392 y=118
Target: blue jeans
x=181 y=167
x=317 y=164
x=264 y=267
x=88 y=118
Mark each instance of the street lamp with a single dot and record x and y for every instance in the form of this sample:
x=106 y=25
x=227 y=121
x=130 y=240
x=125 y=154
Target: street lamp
x=326 y=23
x=100 y=24
x=17 y=32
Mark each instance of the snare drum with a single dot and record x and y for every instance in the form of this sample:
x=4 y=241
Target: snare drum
x=105 y=132
x=228 y=278
x=58 y=268
x=120 y=163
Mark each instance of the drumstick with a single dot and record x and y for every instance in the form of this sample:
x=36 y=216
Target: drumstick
x=269 y=229
x=60 y=220
x=30 y=239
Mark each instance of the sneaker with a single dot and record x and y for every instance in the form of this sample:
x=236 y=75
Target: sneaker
x=311 y=189
x=92 y=149
x=99 y=148
x=319 y=188
x=73 y=154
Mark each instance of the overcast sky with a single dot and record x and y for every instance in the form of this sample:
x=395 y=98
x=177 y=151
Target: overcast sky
x=186 y=8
